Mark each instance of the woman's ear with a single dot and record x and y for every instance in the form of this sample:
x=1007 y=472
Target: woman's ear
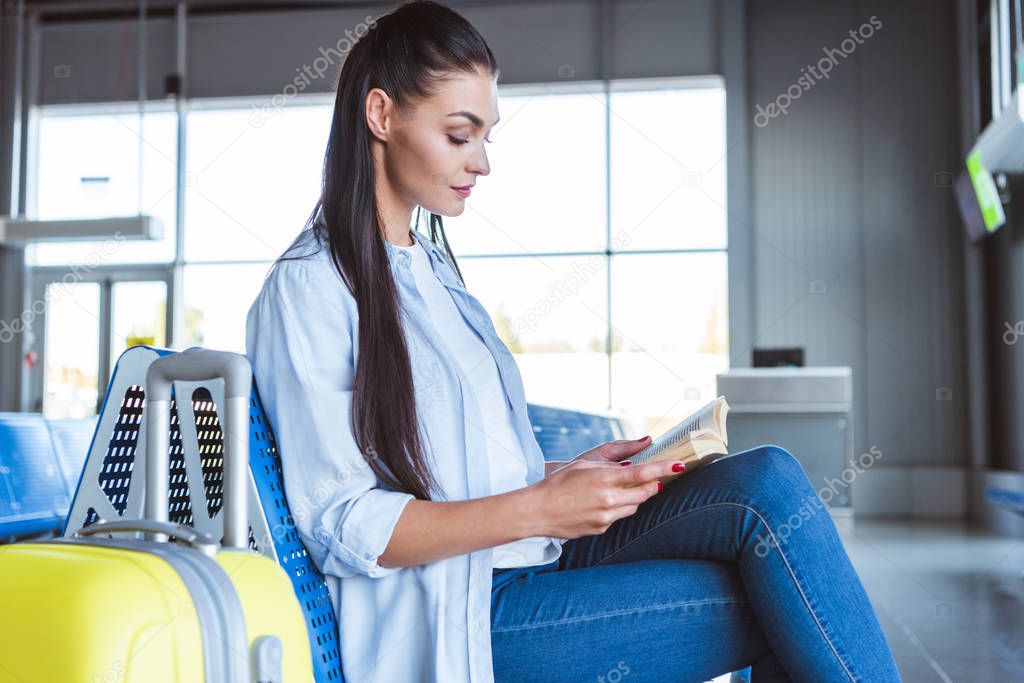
x=379 y=113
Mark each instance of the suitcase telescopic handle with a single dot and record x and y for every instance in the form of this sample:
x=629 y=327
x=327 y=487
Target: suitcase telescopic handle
x=183 y=534
x=197 y=364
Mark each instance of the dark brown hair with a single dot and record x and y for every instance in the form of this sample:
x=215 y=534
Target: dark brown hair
x=405 y=53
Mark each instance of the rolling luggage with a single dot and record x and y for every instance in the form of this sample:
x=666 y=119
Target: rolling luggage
x=175 y=605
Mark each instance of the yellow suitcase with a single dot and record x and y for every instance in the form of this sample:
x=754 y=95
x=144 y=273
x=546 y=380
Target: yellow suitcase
x=175 y=605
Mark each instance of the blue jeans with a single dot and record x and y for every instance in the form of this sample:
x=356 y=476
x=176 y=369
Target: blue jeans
x=737 y=563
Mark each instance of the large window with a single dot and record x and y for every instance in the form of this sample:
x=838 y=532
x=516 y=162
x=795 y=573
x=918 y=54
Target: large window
x=251 y=183
x=99 y=163
x=597 y=243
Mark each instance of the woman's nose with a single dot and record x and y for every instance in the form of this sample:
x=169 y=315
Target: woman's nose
x=478 y=163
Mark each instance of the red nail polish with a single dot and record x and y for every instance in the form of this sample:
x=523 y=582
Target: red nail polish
x=625 y=462
x=660 y=486
x=678 y=467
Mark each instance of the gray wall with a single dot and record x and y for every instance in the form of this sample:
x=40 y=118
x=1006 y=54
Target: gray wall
x=258 y=53
x=844 y=192
x=1004 y=280
x=11 y=260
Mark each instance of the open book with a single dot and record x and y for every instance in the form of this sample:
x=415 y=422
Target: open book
x=696 y=440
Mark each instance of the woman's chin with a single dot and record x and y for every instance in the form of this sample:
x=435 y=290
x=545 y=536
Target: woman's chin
x=452 y=210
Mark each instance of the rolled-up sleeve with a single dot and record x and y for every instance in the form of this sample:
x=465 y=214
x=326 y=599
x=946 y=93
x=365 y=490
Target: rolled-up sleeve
x=300 y=345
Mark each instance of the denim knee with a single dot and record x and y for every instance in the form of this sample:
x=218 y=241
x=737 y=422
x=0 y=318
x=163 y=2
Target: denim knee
x=773 y=458
x=779 y=458
x=779 y=492
x=778 y=480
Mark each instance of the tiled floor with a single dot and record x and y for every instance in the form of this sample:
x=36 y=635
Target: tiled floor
x=949 y=596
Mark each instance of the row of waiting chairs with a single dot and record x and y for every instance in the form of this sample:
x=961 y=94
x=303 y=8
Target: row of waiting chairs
x=41 y=460
x=1007 y=498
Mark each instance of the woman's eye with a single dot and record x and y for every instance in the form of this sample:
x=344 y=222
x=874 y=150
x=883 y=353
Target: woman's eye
x=458 y=141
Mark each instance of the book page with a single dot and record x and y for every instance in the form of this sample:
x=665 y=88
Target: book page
x=703 y=419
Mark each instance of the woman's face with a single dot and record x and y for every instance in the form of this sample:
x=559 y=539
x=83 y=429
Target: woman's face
x=438 y=145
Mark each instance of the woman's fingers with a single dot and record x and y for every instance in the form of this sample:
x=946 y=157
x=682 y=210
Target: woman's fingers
x=634 y=495
x=622 y=449
x=590 y=463
x=636 y=475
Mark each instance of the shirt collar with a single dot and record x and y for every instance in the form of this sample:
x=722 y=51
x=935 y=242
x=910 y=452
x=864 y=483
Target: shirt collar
x=399 y=255
x=400 y=258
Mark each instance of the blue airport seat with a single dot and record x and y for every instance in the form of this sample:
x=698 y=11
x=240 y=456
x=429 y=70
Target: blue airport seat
x=72 y=438
x=563 y=434
x=33 y=490
x=1012 y=500
x=107 y=489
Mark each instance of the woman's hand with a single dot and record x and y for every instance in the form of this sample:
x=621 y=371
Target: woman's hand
x=614 y=451
x=585 y=497
x=610 y=452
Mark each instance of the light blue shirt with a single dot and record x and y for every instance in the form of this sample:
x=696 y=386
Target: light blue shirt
x=429 y=622
x=480 y=372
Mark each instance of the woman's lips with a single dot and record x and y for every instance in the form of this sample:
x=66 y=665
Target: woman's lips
x=463 y=191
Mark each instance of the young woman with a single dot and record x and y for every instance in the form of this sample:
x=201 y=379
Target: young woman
x=452 y=551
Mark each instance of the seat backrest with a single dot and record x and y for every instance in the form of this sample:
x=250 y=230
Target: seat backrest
x=1013 y=500
x=563 y=434
x=34 y=493
x=112 y=484
x=71 y=439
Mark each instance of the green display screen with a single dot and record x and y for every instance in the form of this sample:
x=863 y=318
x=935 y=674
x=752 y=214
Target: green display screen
x=985 y=190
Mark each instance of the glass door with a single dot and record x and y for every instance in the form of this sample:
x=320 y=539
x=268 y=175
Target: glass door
x=71 y=369
x=138 y=316
x=83 y=329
